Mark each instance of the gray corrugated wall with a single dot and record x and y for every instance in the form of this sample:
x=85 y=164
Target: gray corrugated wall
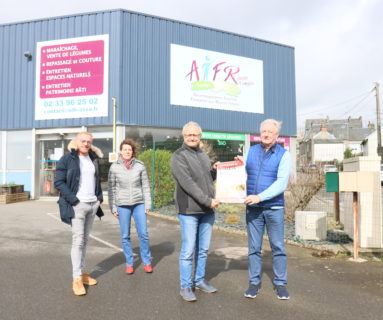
x=17 y=74
x=139 y=72
x=146 y=73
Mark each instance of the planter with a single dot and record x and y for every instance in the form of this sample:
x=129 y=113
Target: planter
x=15 y=197
x=18 y=188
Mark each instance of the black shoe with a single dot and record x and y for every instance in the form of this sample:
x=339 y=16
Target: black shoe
x=252 y=291
x=282 y=292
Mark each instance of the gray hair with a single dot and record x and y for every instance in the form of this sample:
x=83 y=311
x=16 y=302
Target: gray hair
x=276 y=123
x=84 y=133
x=191 y=124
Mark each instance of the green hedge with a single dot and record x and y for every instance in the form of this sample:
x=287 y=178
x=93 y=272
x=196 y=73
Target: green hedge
x=163 y=179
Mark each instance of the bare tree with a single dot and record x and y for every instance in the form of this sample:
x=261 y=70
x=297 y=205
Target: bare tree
x=208 y=148
x=300 y=192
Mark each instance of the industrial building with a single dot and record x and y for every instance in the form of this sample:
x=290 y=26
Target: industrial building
x=61 y=75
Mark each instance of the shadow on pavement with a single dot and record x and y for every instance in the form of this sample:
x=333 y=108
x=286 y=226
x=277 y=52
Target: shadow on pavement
x=158 y=252
x=108 y=264
x=217 y=264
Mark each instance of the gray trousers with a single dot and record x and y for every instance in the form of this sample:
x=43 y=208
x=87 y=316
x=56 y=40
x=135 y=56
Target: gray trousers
x=84 y=213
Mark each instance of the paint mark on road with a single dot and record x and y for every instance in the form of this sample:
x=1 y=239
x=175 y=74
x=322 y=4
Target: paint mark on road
x=110 y=245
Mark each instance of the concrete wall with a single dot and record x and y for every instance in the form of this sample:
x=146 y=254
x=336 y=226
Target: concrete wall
x=328 y=152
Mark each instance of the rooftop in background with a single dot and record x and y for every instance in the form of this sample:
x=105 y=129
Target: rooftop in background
x=318 y=123
x=343 y=129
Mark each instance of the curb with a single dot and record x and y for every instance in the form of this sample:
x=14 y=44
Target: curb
x=335 y=248
x=218 y=228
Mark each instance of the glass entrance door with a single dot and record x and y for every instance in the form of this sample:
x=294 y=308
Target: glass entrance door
x=50 y=153
x=52 y=146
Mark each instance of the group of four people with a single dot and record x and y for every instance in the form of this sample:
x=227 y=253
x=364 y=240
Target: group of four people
x=268 y=168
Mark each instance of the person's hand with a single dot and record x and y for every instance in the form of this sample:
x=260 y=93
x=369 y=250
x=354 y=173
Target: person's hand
x=115 y=214
x=239 y=158
x=214 y=203
x=147 y=211
x=253 y=199
x=215 y=165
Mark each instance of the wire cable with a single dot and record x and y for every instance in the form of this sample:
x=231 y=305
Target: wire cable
x=352 y=108
x=366 y=94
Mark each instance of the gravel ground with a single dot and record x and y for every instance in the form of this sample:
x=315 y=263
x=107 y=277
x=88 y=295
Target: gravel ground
x=220 y=220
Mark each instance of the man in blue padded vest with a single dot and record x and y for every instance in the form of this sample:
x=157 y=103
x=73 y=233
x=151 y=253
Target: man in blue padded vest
x=268 y=170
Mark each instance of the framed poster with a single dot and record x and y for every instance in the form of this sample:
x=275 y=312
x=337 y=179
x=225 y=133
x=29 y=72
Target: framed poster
x=215 y=80
x=72 y=78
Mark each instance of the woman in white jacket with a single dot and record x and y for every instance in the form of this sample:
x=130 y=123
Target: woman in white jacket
x=129 y=195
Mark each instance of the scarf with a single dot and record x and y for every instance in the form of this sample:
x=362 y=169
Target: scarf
x=128 y=163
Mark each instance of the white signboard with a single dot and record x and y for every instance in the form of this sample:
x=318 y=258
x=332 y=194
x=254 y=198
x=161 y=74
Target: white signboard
x=231 y=182
x=209 y=79
x=72 y=78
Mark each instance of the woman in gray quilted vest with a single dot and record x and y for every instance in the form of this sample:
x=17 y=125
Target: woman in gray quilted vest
x=129 y=195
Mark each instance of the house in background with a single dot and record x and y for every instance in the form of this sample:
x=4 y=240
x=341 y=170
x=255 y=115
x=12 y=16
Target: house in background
x=325 y=140
x=370 y=144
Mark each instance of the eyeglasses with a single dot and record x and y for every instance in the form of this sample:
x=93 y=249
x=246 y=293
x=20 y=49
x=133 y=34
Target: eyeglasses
x=192 y=135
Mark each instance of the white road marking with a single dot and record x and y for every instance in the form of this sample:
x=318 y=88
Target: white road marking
x=110 y=245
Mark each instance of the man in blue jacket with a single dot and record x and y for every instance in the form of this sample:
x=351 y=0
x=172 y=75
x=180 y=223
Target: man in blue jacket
x=268 y=170
x=78 y=180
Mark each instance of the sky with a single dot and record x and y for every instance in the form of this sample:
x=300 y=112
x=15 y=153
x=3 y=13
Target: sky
x=338 y=43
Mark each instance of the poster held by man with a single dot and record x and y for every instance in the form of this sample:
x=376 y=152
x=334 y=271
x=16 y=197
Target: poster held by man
x=231 y=182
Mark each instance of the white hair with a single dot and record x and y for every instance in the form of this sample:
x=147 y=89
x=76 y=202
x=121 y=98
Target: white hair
x=276 y=123
x=191 y=124
x=84 y=133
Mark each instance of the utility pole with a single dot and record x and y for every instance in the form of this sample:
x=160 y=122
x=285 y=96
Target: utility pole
x=114 y=124
x=378 y=124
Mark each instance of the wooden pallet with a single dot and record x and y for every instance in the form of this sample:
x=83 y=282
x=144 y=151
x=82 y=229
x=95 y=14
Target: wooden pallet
x=15 y=197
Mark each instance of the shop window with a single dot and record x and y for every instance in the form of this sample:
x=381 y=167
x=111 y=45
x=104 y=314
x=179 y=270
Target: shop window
x=106 y=146
x=158 y=138
x=223 y=150
x=19 y=150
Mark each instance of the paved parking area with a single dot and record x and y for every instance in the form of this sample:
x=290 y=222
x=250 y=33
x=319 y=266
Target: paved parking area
x=35 y=276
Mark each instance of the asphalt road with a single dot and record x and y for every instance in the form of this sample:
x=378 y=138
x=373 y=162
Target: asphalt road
x=35 y=276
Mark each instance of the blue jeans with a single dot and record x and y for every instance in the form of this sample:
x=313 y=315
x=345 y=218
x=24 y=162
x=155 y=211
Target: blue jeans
x=124 y=217
x=256 y=220
x=196 y=230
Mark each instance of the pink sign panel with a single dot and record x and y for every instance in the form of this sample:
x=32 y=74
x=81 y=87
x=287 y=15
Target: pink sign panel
x=72 y=69
x=282 y=140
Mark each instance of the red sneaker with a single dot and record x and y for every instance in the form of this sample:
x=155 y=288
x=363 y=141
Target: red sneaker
x=129 y=270
x=148 y=268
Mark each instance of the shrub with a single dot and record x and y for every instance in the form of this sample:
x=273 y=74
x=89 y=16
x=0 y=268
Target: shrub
x=347 y=153
x=300 y=192
x=10 y=184
x=163 y=179
x=334 y=225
